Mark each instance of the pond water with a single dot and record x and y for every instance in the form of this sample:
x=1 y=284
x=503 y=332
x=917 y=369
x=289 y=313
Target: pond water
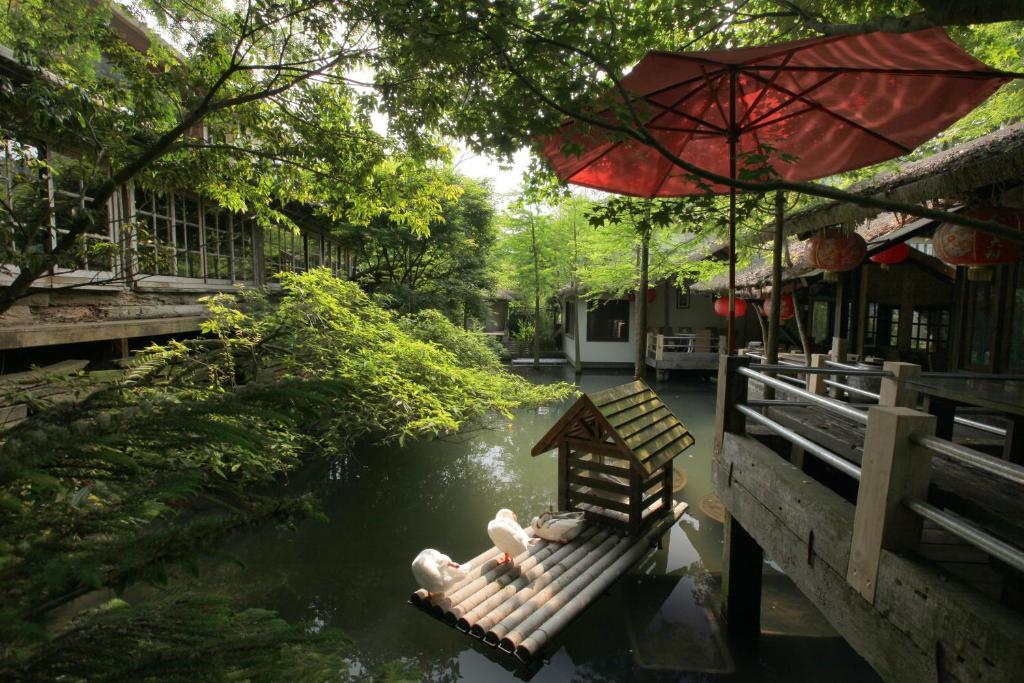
x=387 y=503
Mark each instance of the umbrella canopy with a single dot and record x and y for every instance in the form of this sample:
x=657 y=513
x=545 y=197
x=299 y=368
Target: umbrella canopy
x=801 y=110
x=834 y=104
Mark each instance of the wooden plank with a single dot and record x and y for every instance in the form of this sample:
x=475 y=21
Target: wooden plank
x=922 y=621
x=669 y=453
x=599 y=484
x=14 y=413
x=660 y=419
x=601 y=448
x=648 y=447
x=576 y=461
x=618 y=506
x=608 y=396
x=624 y=417
x=893 y=471
x=623 y=404
x=43 y=374
x=70 y=333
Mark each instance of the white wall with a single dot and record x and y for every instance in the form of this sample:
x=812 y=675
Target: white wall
x=600 y=352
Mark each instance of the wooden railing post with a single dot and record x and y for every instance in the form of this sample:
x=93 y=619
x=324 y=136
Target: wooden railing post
x=563 y=476
x=659 y=353
x=838 y=354
x=894 y=390
x=816 y=382
x=892 y=471
x=732 y=390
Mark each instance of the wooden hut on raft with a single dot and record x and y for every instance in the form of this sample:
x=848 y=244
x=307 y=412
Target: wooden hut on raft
x=615 y=452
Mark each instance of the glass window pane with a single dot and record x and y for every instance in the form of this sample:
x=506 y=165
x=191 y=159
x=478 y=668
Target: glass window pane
x=608 y=321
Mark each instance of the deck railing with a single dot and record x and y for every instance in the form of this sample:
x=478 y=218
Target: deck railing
x=664 y=346
x=899 y=444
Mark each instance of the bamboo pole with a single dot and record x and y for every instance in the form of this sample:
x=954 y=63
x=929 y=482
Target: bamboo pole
x=524 y=620
x=420 y=595
x=512 y=602
x=457 y=610
x=487 y=570
x=568 y=604
x=483 y=611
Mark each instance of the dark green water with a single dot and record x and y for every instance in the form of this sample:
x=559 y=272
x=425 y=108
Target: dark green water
x=387 y=504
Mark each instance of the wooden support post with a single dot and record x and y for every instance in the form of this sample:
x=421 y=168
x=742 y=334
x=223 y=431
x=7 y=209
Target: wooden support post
x=659 y=353
x=742 y=567
x=816 y=382
x=839 y=355
x=636 y=494
x=894 y=390
x=563 y=476
x=121 y=348
x=732 y=389
x=893 y=470
x=666 y=492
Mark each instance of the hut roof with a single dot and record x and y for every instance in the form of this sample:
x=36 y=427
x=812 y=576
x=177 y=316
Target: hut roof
x=994 y=158
x=630 y=419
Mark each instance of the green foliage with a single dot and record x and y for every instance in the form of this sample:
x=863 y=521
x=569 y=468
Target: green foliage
x=149 y=475
x=446 y=269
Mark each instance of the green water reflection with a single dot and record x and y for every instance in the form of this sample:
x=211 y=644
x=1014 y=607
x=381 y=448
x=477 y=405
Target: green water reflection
x=386 y=504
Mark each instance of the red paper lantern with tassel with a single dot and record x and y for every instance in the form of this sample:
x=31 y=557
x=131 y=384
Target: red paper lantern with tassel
x=835 y=250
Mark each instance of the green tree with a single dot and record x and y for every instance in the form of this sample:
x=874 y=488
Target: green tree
x=447 y=269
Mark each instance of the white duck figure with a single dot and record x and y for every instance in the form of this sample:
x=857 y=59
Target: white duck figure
x=510 y=538
x=436 y=572
x=560 y=527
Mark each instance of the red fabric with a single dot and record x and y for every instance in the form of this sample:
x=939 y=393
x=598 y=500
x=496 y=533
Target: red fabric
x=835 y=103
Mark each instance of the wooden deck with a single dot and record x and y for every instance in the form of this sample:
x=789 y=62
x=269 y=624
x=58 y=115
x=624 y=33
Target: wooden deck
x=908 y=548
x=693 y=351
x=519 y=608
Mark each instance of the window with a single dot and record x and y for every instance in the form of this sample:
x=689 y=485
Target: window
x=570 y=318
x=242 y=250
x=217 y=250
x=981 y=317
x=882 y=327
x=929 y=329
x=21 y=191
x=820 y=320
x=282 y=250
x=608 y=321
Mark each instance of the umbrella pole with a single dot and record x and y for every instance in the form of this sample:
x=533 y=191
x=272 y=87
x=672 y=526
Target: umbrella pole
x=731 y=331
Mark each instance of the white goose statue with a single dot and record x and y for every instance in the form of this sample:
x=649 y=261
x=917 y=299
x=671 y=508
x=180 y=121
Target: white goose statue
x=510 y=538
x=436 y=572
x=560 y=527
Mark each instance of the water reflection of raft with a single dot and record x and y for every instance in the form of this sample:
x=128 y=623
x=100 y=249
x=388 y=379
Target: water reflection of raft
x=520 y=608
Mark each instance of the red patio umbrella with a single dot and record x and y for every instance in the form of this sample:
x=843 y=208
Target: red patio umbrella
x=835 y=103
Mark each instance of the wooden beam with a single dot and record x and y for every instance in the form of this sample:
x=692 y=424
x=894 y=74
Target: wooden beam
x=71 y=333
x=894 y=390
x=893 y=470
x=732 y=389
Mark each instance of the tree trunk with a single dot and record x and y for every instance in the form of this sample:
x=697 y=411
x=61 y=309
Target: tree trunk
x=640 y=367
x=805 y=342
x=536 y=293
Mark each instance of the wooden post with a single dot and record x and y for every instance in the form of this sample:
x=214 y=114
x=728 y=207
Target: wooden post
x=659 y=353
x=563 y=476
x=732 y=389
x=666 y=493
x=839 y=355
x=742 y=569
x=636 y=494
x=894 y=391
x=893 y=470
x=121 y=348
x=816 y=382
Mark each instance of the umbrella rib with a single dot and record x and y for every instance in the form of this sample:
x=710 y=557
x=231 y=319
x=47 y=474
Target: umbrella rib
x=952 y=73
x=761 y=123
x=671 y=109
x=764 y=89
x=806 y=91
x=838 y=116
x=679 y=153
x=713 y=94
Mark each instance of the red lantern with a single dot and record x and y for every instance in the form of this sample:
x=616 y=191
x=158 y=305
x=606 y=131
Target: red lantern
x=722 y=307
x=897 y=253
x=787 y=309
x=962 y=246
x=652 y=294
x=836 y=250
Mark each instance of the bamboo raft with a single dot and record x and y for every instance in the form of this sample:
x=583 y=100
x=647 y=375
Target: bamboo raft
x=519 y=608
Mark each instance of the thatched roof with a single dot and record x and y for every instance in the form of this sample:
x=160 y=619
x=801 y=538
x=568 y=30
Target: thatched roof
x=880 y=233
x=994 y=158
